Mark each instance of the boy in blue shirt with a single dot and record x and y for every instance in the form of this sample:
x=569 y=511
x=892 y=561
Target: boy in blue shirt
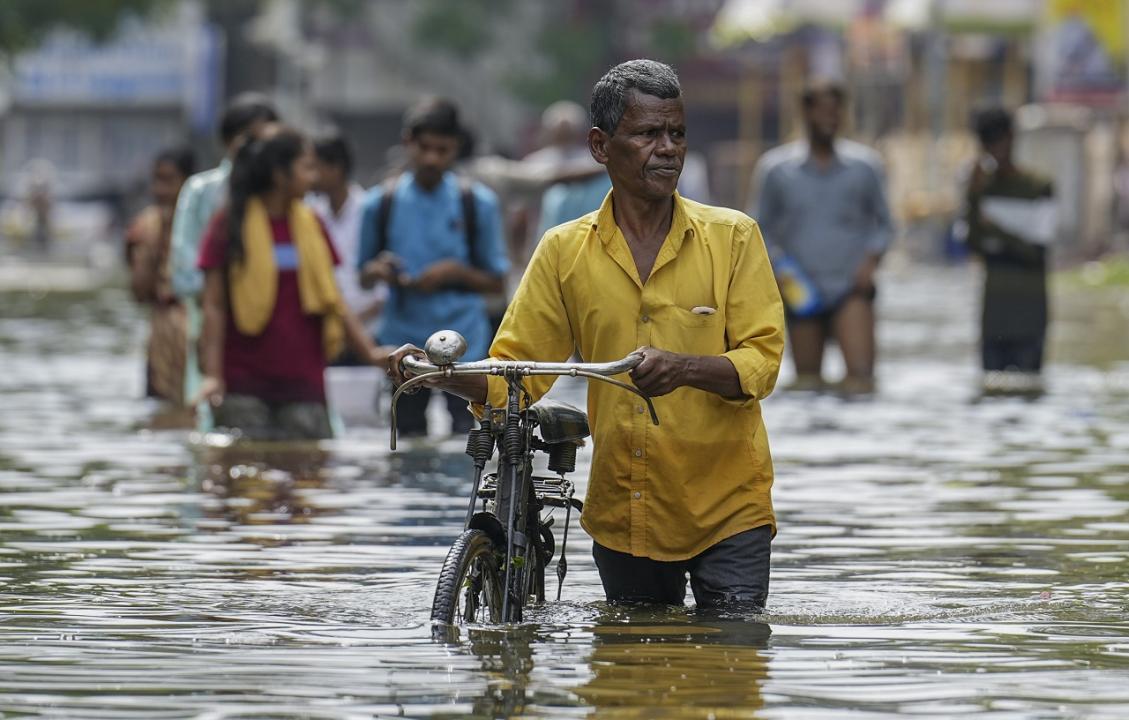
x=436 y=240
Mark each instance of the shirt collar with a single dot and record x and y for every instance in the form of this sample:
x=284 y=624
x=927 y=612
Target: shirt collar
x=679 y=224
x=447 y=182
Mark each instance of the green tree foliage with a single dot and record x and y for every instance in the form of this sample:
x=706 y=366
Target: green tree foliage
x=23 y=23
x=458 y=28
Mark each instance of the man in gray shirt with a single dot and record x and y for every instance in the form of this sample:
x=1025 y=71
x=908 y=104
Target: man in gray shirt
x=821 y=205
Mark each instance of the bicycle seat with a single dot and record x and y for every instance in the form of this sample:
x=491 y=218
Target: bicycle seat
x=560 y=422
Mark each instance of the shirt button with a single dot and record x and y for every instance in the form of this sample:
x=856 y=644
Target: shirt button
x=639 y=409
x=636 y=494
x=638 y=453
x=646 y=318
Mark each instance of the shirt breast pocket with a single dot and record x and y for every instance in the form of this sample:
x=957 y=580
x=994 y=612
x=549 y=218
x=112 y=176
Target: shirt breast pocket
x=693 y=333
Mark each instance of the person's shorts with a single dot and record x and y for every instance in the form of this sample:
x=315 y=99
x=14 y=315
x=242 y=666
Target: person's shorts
x=827 y=315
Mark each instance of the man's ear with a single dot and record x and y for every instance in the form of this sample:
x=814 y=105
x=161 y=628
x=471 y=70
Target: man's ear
x=598 y=145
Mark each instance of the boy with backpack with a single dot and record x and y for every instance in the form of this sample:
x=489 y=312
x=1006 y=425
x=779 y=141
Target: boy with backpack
x=436 y=240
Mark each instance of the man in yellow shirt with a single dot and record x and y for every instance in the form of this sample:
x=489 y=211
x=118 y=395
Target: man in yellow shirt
x=690 y=287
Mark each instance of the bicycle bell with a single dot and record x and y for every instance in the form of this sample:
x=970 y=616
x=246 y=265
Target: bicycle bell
x=444 y=347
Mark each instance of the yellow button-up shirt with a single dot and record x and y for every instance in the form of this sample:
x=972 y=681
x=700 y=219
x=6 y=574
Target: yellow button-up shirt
x=704 y=474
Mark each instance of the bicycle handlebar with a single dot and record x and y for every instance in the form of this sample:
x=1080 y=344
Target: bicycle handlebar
x=418 y=366
x=422 y=370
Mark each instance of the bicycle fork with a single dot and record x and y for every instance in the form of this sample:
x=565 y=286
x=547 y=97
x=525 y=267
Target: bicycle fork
x=516 y=541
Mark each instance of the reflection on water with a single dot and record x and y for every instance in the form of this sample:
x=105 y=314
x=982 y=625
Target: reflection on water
x=936 y=555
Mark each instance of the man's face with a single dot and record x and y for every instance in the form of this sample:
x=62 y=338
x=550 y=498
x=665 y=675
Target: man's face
x=823 y=117
x=644 y=155
x=432 y=155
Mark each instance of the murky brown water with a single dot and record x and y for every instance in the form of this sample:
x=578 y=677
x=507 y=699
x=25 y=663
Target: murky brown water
x=936 y=556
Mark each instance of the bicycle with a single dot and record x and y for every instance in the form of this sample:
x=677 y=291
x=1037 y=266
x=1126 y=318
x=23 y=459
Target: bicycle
x=497 y=565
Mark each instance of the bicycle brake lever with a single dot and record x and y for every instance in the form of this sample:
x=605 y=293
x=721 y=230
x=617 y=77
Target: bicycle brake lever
x=410 y=383
x=625 y=386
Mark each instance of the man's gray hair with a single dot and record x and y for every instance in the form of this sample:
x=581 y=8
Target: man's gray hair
x=611 y=93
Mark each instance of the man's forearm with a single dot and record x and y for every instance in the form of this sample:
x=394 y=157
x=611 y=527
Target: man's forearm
x=715 y=374
x=472 y=388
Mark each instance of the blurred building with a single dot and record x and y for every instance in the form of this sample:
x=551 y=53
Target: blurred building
x=915 y=70
x=96 y=113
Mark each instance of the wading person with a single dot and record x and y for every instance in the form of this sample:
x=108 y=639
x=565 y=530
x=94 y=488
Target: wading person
x=822 y=207
x=1010 y=216
x=436 y=240
x=147 y=251
x=339 y=202
x=273 y=314
x=690 y=286
x=199 y=199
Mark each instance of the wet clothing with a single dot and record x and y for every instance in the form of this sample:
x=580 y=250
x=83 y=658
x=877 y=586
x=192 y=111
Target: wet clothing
x=1014 y=312
x=424 y=228
x=147 y=249
x=734 y=570
x=672 y=491
x=256 y=419
x=827 y=219
x=285 y=363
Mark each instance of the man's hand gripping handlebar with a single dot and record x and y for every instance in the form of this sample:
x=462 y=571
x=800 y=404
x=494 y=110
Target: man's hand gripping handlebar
x=444 y=348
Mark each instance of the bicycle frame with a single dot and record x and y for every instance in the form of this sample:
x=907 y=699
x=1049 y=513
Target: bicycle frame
x=516 y=503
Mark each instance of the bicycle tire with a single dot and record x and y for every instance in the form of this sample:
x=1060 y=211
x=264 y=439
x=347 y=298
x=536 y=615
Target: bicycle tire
x=470 y=582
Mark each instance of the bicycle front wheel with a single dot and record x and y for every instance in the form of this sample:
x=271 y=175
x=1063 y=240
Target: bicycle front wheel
x=470 y=588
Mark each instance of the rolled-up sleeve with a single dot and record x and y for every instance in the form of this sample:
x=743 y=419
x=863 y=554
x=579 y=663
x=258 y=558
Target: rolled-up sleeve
x=536 y=325
x=754 y=316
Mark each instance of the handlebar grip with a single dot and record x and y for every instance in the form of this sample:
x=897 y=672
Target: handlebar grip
x=415 y=364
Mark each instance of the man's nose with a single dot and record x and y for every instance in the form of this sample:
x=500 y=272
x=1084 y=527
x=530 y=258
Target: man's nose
x=666 y=145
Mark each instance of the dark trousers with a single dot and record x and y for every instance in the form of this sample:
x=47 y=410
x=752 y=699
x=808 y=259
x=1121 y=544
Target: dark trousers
x=411 y=413
x=733 y=571
x=1022 y=354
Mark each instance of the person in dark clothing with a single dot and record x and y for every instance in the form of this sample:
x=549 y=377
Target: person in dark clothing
x=1010 y=216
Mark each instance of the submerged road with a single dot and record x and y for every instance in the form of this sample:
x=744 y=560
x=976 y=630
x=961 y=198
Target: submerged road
x=936 y=555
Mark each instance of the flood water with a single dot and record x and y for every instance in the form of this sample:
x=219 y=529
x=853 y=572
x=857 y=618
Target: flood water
x=936 y=556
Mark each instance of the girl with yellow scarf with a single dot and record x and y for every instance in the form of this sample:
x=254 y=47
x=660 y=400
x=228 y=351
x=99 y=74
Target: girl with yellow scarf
x=273 y=315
